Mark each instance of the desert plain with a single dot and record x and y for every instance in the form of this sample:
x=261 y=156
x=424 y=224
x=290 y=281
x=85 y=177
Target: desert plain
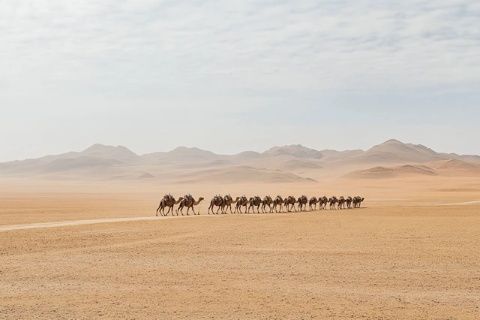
x=83 y=249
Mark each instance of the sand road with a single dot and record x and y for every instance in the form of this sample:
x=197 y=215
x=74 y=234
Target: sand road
x=57 y=224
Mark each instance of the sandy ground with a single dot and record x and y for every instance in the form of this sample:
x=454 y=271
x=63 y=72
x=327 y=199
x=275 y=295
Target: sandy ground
x=407 y=255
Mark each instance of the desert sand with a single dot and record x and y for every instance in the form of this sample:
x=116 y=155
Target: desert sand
x=79 y=238
x=95 y=250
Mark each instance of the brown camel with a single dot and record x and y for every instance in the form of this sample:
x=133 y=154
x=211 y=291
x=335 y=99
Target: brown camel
x=267 y=201
x=217 y=201
x=242 y=202
x=189 y=203
x=302 y=203
x=227 y=203
x=357 y=201
x=341 y=203
x=278 y=202
x=323 y=201
x=254 y=202
x=289 y=203
x=168 y=201
x=312 y=203
x=333 y=202
x=349 y=201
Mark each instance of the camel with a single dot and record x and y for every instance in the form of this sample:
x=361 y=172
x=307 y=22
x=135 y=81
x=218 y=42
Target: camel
x=278 y=202
x=333 y=202
x=349 y=201
x=290 y=201
x=267 y=201
x=312 y=203
x=189 y=202
x=357 y=201
x=341 y=203
x=227 y=203
x=254 y=202
x=322 y=202
x=217 y=201
x=168 y=201
x=302 y=203
x=242 y=202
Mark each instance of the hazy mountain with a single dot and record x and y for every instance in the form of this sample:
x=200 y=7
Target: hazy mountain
x=394 y=151
x=297 y=151
x=118 y=153
x=102 y=161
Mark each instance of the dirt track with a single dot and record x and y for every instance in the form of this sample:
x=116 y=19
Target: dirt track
x=57 y=224
x=375 y=263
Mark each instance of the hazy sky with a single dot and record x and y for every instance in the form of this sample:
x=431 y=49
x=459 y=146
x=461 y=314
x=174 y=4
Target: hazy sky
x=235 y=75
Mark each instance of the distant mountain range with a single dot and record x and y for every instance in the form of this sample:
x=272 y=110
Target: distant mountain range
x=291 y=163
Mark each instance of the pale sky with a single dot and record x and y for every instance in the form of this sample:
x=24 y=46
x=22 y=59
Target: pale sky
x=230 y=76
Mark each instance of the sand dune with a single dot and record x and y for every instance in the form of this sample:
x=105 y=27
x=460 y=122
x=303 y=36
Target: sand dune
x=456 y=167
x=393 y=172
x=451 y=167
x=241 y=174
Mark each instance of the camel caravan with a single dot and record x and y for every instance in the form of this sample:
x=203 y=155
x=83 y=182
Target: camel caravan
x=226 y=204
